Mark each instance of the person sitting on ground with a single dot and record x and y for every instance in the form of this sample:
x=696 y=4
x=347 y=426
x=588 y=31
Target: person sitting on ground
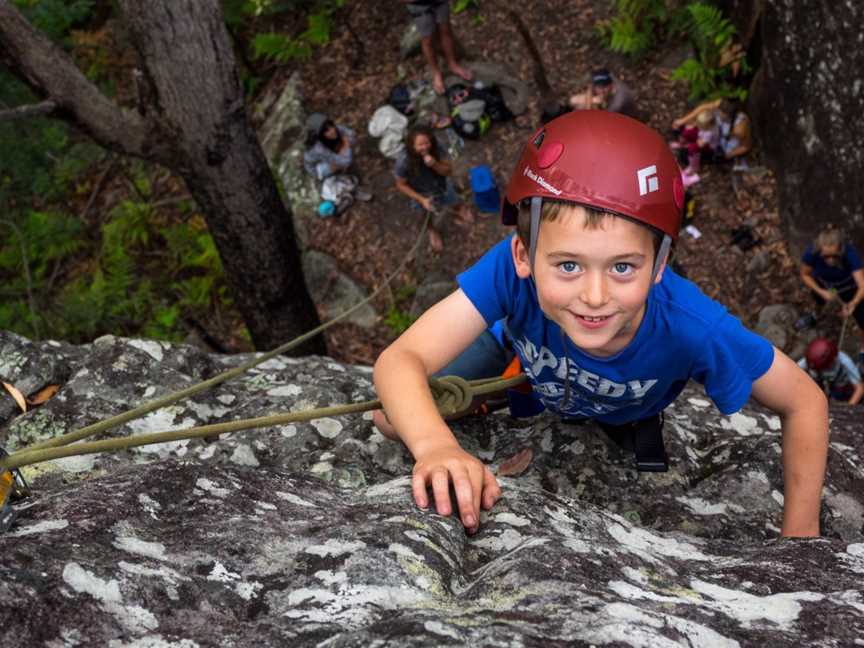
x=606 y=92
x=423 y=173
x=831 y=268
x=329 y=147
x=603 y=328
x=733 y=127
x=431 y=16
x=833 y=370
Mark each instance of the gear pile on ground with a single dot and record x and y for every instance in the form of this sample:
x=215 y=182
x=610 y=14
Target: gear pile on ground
x=307 y=534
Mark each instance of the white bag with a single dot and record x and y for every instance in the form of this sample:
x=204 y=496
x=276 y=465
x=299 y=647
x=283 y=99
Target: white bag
x=390 y=125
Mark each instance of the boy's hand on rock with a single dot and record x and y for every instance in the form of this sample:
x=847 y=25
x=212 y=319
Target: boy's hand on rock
x=473 y=483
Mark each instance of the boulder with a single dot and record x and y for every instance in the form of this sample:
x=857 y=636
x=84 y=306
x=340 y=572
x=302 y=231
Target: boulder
x=283 y=138
x=335 y=291
x=307 y=535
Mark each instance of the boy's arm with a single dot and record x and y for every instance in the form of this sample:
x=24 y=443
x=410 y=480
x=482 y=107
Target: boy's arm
x=857 y=394
x=803 y=411
x=401 y=372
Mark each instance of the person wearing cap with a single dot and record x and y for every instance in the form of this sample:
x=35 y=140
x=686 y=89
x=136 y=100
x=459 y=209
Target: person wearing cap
x=431 y=16
x=606 y=92
x=329 y=147
x=833 y=370
x=604 y=329
x=831 y=268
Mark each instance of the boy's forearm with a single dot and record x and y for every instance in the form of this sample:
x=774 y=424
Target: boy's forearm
x=403 y=388
x=805 y=450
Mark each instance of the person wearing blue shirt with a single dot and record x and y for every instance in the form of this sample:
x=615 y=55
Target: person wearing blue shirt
x=832 y=269
x=603 y=329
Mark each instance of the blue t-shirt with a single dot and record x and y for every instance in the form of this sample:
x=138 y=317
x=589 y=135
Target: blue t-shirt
x=684 y=334
x=838 y=277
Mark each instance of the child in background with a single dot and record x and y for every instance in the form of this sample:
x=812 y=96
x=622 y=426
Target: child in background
x=603 y=328
x=833 y=370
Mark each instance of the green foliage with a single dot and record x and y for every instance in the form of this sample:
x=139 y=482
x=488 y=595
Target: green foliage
x=463 y=5
x=711 y=33
x=637 y=26
x=56 y=17
x=398 y=320
x=640 y=25
x=282 y=48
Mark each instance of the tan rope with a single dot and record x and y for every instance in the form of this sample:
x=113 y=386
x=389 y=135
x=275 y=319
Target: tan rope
x=453 y=396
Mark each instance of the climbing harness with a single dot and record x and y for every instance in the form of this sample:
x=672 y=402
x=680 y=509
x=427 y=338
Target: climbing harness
x=12 y=487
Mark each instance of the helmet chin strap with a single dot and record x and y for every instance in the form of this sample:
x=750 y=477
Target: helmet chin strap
x=536 y=208
x=662 y=255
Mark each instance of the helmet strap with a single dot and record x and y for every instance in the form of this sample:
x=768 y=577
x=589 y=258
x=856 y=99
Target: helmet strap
x=534 y=231
x=662 y=255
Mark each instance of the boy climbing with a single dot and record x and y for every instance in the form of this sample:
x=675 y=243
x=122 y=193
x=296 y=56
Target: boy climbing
x=603 y=329
x=833 y=370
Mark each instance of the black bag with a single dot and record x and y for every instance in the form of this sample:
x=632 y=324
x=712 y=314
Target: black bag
x=400 y=99
x=495 y=106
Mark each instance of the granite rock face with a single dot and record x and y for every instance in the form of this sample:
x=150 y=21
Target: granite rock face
x=306 y=534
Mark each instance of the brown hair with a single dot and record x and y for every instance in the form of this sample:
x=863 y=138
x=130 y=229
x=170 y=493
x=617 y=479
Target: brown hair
x=552 y=209
x=415 y=162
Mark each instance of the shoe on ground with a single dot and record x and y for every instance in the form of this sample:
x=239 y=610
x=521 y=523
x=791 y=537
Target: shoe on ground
x=363 y=196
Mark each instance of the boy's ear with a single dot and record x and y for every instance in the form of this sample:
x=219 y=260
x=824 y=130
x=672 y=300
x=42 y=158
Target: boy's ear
x=520 y=257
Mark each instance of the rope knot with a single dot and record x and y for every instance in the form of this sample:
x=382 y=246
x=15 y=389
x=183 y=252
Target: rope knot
x=453 y=395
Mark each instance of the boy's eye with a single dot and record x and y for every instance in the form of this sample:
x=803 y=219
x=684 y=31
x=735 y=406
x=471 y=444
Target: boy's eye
x=568 y=266
x=622 y=268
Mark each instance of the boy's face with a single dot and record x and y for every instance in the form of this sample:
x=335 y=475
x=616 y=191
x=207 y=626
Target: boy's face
x=592 y=282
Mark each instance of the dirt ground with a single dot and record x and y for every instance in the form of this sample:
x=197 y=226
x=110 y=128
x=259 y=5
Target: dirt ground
x=373 y=238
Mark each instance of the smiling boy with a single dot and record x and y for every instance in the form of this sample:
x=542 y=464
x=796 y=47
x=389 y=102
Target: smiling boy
x=603 y=329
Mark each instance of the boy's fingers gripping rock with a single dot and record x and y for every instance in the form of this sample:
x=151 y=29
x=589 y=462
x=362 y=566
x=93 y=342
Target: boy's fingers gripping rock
x=491 y=489
x=467 y=484
x=418 y=486
x=441 y=491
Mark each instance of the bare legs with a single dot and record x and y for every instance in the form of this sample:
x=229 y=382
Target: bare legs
x=449 y=49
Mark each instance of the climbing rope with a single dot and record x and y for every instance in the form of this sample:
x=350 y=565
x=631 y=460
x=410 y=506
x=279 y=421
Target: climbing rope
x=453 y=396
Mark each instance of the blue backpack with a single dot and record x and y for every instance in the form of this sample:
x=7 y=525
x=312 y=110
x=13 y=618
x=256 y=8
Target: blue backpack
x=486 y=195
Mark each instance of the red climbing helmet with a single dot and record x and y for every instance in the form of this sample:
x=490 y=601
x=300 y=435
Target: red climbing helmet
x=821 y=354
x=604 y=160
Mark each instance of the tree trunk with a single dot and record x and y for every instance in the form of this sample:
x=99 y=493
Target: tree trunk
x=192 y=119
x=805 y=102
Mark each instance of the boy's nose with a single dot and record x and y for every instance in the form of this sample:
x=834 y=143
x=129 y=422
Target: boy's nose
x=594 y=293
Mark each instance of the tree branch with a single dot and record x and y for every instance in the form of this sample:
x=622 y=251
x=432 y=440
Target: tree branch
x=30 y=110
x=52 y=75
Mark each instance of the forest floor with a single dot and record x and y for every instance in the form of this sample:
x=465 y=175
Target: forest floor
x=371 y=239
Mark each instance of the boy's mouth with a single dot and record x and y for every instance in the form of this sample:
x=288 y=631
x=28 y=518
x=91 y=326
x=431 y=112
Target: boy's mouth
x=592 y=321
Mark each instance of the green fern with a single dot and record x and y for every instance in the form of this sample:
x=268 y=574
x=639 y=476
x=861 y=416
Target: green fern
x=281 y=48
x=636 y=27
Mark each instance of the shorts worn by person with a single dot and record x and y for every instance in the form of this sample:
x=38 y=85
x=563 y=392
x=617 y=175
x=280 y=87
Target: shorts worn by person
x=833 y=370
x=431 y=16
x=831 y=268
x=603 y=328
x=422 y=172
